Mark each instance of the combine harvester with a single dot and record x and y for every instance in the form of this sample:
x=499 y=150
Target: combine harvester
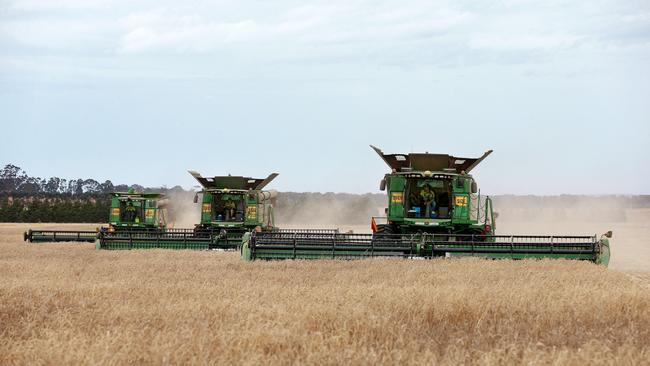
x=434 y=210
x=129 y=211
x=230 y=207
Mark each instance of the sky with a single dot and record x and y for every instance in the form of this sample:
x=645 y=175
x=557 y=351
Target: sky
x=140 y=92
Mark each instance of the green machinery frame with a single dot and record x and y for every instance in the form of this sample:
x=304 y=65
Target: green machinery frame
x=463 y=225
x=230 y=207
x=148 y=214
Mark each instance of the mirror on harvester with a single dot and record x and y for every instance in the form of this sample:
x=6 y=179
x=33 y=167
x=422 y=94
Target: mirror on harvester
x=196 y=198
x=382 y=185
x=474 y=187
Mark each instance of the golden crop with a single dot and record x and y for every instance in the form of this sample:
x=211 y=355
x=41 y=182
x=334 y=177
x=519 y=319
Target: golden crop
x=72 y=304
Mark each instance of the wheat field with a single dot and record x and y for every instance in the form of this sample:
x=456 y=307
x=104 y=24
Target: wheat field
x=70 y=304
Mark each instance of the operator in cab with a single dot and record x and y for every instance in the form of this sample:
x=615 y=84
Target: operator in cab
x=130 y=211
x=428 y=201
x=229 y=206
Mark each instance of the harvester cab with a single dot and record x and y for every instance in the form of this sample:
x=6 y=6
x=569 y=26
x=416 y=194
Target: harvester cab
x=131 y=210
x=235 y=203
x=433 y=193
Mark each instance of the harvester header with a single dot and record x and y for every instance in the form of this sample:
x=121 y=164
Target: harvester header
x=429 y=162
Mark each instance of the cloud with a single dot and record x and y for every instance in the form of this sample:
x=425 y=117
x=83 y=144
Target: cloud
x=404 y=34
x=49 y=5
x=56 y=33
x=523 y=41
x=306 y=24
x=178 y=34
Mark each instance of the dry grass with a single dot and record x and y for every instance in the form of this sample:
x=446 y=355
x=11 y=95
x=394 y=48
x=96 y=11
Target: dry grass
x=71 y=304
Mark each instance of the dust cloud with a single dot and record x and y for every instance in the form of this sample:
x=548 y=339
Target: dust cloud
x=328 y=210
x=627 y=216
x=182 y=212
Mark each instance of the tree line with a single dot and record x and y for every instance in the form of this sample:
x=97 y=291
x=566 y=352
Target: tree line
x=15 y=180
x=22 y=207
x=24 y=198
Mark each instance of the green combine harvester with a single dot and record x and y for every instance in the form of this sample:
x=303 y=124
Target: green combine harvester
x=230 y=207
x=130 y=211
x=434 y=210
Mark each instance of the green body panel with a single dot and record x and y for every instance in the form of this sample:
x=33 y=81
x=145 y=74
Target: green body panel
x=245 y=248
x=206 y=209
x=604 y=253
x=396 y=198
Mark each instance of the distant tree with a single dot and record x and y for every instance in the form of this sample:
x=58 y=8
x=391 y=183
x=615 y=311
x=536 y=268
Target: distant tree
x=11 y=177
x=121 y=188
x=53 y=185
x=90 y=186
x=31 y=185
x=106 y=187
x=137 y=188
